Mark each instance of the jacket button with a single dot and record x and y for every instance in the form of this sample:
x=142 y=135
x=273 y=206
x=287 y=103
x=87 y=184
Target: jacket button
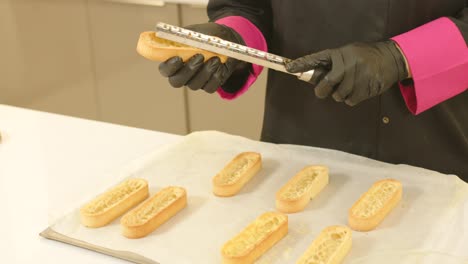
x=385 y=120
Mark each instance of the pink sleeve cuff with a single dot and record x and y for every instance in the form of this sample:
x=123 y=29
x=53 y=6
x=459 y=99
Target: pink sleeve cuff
x=253 y=38
x=438 y=58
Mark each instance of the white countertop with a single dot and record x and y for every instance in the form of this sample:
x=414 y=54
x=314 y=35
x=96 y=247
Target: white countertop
x=44 y=157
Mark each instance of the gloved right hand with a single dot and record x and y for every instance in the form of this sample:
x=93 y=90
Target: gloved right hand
x=212 y=74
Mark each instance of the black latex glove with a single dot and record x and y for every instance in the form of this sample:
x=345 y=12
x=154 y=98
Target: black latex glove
x=210 y=75
x=356 y=72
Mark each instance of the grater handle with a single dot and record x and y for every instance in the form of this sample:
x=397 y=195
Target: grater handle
x=313 y=76
x=306 y=76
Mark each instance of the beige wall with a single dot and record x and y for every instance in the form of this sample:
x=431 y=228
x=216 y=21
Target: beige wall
x=78 y=58
x=48 y=63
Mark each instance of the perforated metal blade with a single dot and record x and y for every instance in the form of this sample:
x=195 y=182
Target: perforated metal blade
x=227 y=48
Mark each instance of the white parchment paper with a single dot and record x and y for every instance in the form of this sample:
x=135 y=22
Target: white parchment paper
x=430 y=224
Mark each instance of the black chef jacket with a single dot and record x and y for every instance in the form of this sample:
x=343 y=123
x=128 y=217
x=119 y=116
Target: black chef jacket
x=381 y=128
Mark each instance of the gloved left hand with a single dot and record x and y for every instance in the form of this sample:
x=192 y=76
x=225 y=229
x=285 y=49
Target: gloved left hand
x=210 y=75
x=356 y=72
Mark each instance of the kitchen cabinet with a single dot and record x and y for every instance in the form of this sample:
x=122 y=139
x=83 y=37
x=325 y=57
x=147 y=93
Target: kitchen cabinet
x=46 y=63
x=243 y=116
x=130 y=90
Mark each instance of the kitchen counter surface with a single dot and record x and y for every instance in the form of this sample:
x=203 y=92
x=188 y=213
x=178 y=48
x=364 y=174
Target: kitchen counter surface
x=44 y=157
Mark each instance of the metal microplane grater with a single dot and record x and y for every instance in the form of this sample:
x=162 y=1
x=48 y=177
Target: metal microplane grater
x=230 y=49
